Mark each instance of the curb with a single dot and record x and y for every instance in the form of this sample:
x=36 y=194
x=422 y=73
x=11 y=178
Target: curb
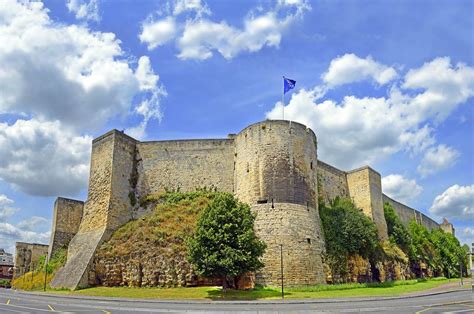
x=194 y=301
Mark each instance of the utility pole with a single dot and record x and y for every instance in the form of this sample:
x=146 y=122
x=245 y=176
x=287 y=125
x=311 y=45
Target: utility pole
x=281 y=272
x=460 y=271
x=45 y=272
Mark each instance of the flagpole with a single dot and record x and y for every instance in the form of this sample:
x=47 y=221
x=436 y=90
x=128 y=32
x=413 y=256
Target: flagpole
x=283 y=98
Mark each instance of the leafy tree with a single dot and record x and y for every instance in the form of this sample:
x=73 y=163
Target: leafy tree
x=450 y=253
x=224 y=243
x=347 y=231
x=397 y=232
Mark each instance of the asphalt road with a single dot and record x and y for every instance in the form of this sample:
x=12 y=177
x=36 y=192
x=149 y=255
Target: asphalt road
x=460 y=301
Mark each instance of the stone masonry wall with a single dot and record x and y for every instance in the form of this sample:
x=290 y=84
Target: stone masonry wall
x=276 y=160
x=332 y=182
x=67 y=217
x=27 y=256
x=365 y=189
x=297 y=228
x=185 y=164
x=407 y=214
x=107 y=206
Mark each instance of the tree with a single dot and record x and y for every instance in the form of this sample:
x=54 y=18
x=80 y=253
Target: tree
x=224 y=243
x=347 y=231
x=397 y=232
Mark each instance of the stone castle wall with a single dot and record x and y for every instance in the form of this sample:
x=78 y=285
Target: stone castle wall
x=332 y=182
x=27 y=256
x=67 y=216
x=275 y=172
x=185 y=165
x=408 y=214
x=267 y=163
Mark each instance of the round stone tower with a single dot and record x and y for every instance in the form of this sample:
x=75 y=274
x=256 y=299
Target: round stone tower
x=275 y=172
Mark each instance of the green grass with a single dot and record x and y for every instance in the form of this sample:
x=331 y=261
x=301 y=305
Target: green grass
x=215 y=293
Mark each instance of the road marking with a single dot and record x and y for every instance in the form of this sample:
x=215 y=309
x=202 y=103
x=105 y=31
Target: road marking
x=51 y=308
x=106 y=312
x=424 y=310
x=8 y=302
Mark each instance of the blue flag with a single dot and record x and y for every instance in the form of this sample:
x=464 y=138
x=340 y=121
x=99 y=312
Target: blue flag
x=288 y=84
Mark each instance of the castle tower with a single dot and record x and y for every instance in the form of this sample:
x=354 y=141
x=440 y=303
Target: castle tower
x=67 y=217
x=108 y=206
x=275 y=173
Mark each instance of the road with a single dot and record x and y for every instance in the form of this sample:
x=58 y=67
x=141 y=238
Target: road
x=459 y=301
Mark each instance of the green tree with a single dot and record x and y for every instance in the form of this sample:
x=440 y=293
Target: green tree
x=347 y=231
x=224 y=243
x=450 y=253
x=397 y=232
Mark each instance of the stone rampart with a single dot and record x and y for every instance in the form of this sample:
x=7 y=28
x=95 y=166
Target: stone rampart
x=365 y=189
x=67 y=217
x=407 y=214
x=332 y=182
x=185 y=165
x=27 y=256
x=108 y=206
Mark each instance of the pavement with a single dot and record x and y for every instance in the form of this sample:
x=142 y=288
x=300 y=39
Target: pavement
x=453 y=300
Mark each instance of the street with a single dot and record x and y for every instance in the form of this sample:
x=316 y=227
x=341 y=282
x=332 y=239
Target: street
x=459 y=301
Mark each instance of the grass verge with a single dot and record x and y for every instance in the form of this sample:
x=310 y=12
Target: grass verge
x=394 y=288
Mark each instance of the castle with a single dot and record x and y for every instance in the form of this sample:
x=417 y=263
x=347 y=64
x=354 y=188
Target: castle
x=271 y=165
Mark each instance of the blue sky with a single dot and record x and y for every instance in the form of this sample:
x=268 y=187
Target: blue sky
x=384 y=83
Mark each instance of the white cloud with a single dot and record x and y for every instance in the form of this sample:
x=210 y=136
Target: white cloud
x=6 y=211
x=400 y=188
x=34 y=223
x=436 y=159
x=456 y=203
x=44 y=158
x=84 y=10
x=465 y=235
x=445 y=87
x=200 y=37
x=350 y=68
x=357 y=131
x=64 y=72
x=158 y=33
x=9 y=234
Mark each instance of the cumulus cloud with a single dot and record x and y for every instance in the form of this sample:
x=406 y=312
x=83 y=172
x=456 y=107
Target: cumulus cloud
x=84 y=10
x=34 y=223
x=199 y=37
x=436 y=159
x=350 y=68
x=362 y=130
x=6 y=211
x=465 y=235
x=400 y=188
x=63 y=72
x=27 y=231
x=44 y=158
x=456 y=203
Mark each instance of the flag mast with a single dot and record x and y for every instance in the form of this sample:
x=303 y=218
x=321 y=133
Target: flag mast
x=283 y=98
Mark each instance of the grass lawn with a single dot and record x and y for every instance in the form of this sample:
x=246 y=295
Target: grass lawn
x=215 y=293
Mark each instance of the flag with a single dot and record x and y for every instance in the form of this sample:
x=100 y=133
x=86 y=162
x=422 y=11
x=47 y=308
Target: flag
x=288 y=84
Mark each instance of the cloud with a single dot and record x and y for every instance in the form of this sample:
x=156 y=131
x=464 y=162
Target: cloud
x=6 y=211
x=84 y=10
x=158 y=33
x=400 y=188
x=456 y=203
x=350 y=68
x=34 y=223
x=69 y=73
x=26 y=231
x=199 y=37
x=9 y=234
x=44 y=158
x=465 y=235
x=436 y=159
x=364 y=130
